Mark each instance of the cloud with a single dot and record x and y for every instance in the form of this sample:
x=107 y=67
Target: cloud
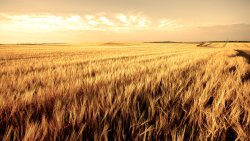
x=123 y=19
x=166 y=24
x=106 y=21
x=90 y=22
x=109 y=22
x=46 y=23
x=97 y=27
x=226 y=26
x=89 y=17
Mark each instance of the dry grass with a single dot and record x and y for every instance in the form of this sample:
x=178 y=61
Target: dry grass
x=135 y=92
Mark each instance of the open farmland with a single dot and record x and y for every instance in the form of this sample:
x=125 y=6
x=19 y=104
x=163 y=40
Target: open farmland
x=125 y=91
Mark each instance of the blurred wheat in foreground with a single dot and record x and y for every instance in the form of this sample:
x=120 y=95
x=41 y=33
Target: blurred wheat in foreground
x=125 y=92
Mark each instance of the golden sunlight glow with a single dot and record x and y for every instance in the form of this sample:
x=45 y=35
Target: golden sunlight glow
x=126 y=21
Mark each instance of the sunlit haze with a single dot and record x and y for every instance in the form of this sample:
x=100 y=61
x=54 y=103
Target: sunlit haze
x=79 y=21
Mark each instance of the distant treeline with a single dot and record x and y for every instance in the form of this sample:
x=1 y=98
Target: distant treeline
x=200 y=42
x=162 y=42
x=231 y=41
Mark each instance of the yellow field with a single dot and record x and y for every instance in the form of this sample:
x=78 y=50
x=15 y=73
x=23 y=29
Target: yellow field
x=136 y=91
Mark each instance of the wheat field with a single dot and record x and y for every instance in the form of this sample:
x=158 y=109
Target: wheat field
x=125 y=91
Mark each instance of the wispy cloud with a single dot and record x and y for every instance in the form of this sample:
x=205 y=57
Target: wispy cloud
x=166 y=24
x=45 y=23
x=110 y=22
x=93 y=22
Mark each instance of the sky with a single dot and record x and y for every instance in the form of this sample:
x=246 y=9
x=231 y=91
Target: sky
x=77 y=21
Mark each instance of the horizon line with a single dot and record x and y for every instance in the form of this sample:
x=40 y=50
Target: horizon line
x=65 y=43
